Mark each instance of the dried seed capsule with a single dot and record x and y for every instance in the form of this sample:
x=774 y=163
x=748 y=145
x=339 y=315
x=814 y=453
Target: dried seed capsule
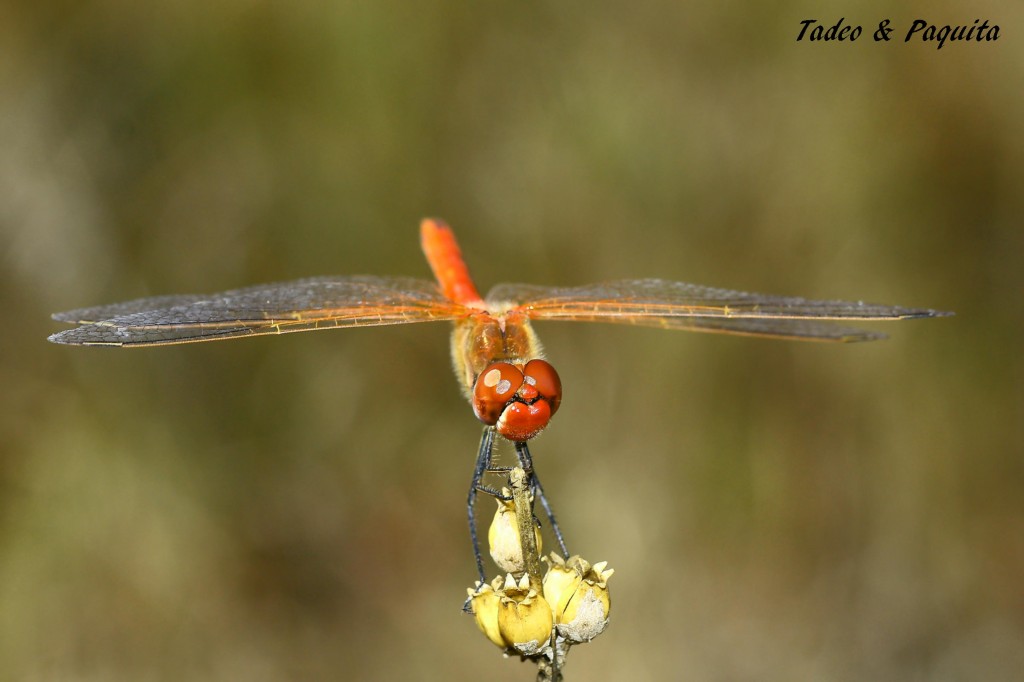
x=560 y=583
x=484 y=602
x=524 y=617
x=503 y=538
x=578 y=593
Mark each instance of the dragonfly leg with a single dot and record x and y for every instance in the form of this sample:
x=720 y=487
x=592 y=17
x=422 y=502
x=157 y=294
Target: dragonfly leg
x=526 y=460
x=496 y=494
x=483 y=460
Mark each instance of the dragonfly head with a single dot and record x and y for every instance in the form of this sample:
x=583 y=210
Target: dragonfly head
x=518 y=400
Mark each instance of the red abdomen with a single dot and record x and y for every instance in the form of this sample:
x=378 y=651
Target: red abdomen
x=445 y=260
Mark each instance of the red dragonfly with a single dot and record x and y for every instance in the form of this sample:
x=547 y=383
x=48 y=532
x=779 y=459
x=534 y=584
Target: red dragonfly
x=497 y=356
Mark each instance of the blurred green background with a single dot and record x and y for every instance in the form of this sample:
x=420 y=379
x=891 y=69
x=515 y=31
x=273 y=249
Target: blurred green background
x=292 y=508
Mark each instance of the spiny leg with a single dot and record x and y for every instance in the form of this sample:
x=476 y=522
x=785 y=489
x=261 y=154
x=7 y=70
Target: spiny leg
x=526 y=461
x=483 y=461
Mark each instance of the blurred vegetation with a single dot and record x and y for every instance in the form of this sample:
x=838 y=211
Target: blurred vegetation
x=269 y=509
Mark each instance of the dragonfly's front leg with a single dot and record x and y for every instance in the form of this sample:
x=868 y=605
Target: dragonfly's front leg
x=483 y=462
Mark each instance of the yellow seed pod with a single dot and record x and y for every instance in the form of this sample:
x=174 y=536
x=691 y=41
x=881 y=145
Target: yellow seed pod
x=524 y=617
x=503 y=538
x=560 y=583
x=586 y=609
x=484 y=602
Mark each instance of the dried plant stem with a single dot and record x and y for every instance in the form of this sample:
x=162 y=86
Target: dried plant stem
x=519 y=482
x=548 y=669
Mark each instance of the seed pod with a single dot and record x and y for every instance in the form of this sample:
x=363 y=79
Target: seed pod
x=484 y=602
x=503 y=538
x=524 y=617
x=579 y=595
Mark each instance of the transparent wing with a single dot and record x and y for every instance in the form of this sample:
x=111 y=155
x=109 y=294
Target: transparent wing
x=676 y=305
x=302 y=305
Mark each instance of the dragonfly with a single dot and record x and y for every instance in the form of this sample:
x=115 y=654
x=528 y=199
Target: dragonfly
x=497 y=357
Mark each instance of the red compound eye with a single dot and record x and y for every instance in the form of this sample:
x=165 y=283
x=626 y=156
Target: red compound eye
x=517 y=402
x=494 y=390
x=543 y=377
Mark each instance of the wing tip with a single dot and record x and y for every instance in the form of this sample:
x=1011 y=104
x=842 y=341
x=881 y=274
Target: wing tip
x=65 y=338
x=73 y=337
